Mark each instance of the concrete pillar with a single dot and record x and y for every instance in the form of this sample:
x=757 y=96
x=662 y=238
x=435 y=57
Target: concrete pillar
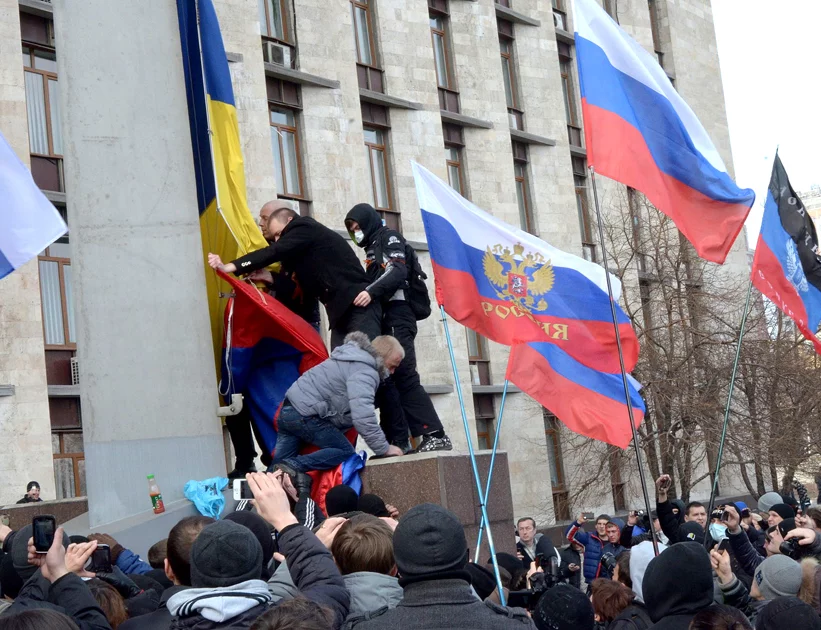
x=25 y=448
x=146 y=366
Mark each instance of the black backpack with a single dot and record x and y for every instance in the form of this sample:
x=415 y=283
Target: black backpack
x=417 y=295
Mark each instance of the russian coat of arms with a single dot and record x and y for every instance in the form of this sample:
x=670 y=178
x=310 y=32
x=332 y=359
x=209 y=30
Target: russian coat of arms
x=519 y=277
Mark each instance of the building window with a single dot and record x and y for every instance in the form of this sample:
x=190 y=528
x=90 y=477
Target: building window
x=441 y=57
x=453 y=159
x=273 y=22
x=57 y=297
x=285 y=147
x=367 y=68
x=583 y=209
x=69 y=463
x=485 y=417
x=376 y=149
x=43 y=109
x=636 y=228
x=561 y=504
x=523 y=188
x=515 y=113
x=571 y=113
x=655 y=28
x=612 y=8
x=478 y=358
x=559 y=15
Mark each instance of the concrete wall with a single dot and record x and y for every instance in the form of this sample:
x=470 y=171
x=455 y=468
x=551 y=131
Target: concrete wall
x=25 y=448
x=144 y=342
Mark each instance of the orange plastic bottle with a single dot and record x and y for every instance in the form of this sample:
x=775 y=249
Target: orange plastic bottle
x=156 y=495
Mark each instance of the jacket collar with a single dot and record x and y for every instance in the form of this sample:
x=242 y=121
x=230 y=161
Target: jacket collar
x=433 y=592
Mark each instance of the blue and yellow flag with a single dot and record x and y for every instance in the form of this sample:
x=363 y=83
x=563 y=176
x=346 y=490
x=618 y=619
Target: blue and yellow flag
x=227 y=226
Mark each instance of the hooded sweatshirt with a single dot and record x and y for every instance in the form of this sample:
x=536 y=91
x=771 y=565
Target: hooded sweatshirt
x=640 y=557
x=677 y=585
x=220 y=605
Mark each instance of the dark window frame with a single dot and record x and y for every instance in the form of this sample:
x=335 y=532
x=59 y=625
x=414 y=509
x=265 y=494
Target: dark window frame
x=75 y=458
x=366 y=7
x=457 y=164
x=561 y=504
x=655 y=29
x=285 y=14
x=521 y=161
x=62 y=262
x=507 y=41
x=586 y=229
x=274 y=106
x=383 y=149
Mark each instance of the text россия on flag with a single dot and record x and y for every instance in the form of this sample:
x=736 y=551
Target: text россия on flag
x=640 y=132
x=511 y=286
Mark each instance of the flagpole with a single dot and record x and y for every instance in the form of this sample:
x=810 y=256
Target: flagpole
x=729 y=402
x=482 y=503
x=492 y=462
x=621 y=361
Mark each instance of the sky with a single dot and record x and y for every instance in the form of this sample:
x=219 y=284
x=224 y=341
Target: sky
x=770 y=54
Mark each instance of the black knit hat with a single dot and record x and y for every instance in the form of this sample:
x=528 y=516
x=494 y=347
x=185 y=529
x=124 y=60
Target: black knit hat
x=482 y=579
x=32 y=484
x=373 y=504
x=429 y=543
x=262 y=531
x=783 y=510
x=787 y=612
x=20 y=552
x=340 y=500
x=564 y=608
x=691 y=531
x=786 y=526
x=225 y=554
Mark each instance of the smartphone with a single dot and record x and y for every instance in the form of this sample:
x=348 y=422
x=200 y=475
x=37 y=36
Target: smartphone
x=43 y=532
x=100 y=561
x=242 y=490
x=588 y=516
x=725 y=516
x=723 y=544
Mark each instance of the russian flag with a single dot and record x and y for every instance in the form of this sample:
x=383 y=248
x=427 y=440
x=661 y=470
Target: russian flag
x=28 y=221
x=265 y=350
x=511 y=286
x=640 y=132
x=786 y=267
x=588 y=402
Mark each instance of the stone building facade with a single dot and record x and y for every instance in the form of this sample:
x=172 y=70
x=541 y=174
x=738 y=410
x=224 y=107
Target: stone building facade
x=335 y=98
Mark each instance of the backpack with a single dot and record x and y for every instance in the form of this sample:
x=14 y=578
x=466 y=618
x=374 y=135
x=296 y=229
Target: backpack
x=417 y=295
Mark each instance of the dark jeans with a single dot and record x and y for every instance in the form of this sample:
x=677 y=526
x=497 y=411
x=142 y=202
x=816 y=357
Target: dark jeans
x=403 y=390
x=356 y=319
x=293 y=431
x=242 y=430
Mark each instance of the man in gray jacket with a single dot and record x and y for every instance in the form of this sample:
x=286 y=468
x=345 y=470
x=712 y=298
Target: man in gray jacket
x=333 y=397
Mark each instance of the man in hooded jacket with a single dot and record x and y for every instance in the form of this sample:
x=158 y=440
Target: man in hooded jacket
x=677 y=585
x=388 y=269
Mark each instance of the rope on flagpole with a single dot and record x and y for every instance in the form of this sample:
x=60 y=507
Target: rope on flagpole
x=482 y=523
x=482 y=503
x=621 y=361
x=729 y=402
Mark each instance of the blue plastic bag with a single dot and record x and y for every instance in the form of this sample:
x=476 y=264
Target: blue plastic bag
x=207 y=495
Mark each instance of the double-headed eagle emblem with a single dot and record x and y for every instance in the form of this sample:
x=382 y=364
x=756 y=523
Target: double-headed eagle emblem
x=518 y=277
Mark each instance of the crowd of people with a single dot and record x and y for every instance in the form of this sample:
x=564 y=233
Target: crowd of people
x=361 y=564
x=365 y=303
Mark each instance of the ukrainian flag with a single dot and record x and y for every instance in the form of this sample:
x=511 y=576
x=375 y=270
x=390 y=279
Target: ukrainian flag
x=227 y=226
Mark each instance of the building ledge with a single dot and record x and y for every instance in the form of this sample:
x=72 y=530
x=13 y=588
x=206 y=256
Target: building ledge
x=37 y=7
x=297 y=76
x=495 y=389
x=531 y=138
x=55 y=197
x=438 y=389
x=234 y=57
x=514 y=16
x=578 y=151
x=63 y=391
x=377 y=98
x=464 y=121
x=565 y=36
x=6 y=390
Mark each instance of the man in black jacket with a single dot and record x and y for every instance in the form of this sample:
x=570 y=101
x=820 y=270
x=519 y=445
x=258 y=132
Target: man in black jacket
x=325 y=266
x=387 y=268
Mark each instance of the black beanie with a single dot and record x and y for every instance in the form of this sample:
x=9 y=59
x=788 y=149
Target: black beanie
x=787 y=612
x=20 y=552
x=373 y=504
x=341 y=500
x=429 y=543
x=691 y=531
x=507 y=561
x=482 y=579
x=786 y=526
x=783 y=510
x=564 y=608
x=259 y=527
x=225 y=554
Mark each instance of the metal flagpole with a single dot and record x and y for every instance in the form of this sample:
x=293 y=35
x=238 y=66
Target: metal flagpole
x=490 y=468
x=476 y=477
x=729 y=402
x=621 y=361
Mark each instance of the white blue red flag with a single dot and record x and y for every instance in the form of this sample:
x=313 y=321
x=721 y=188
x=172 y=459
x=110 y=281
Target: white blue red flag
x=588 y=402
x=787 y=267
x=511 y=286
x=640 y=132
x=28 y=221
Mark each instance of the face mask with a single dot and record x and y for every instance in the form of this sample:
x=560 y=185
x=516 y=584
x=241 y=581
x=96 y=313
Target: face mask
x=718 y=531
x=358 y=237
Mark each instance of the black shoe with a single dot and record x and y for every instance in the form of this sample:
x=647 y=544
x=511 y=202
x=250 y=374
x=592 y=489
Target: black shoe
x=239 y=472
x=301 y=481
x=403 y=445
x=431 y=443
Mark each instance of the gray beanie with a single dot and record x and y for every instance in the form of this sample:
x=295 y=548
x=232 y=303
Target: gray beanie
x=768 y=500
x=225 y=554
x=20 y=552
x=429 y=542
x=778 y=576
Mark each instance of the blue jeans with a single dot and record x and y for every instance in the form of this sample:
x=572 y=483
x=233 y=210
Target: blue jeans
x=293 y=431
